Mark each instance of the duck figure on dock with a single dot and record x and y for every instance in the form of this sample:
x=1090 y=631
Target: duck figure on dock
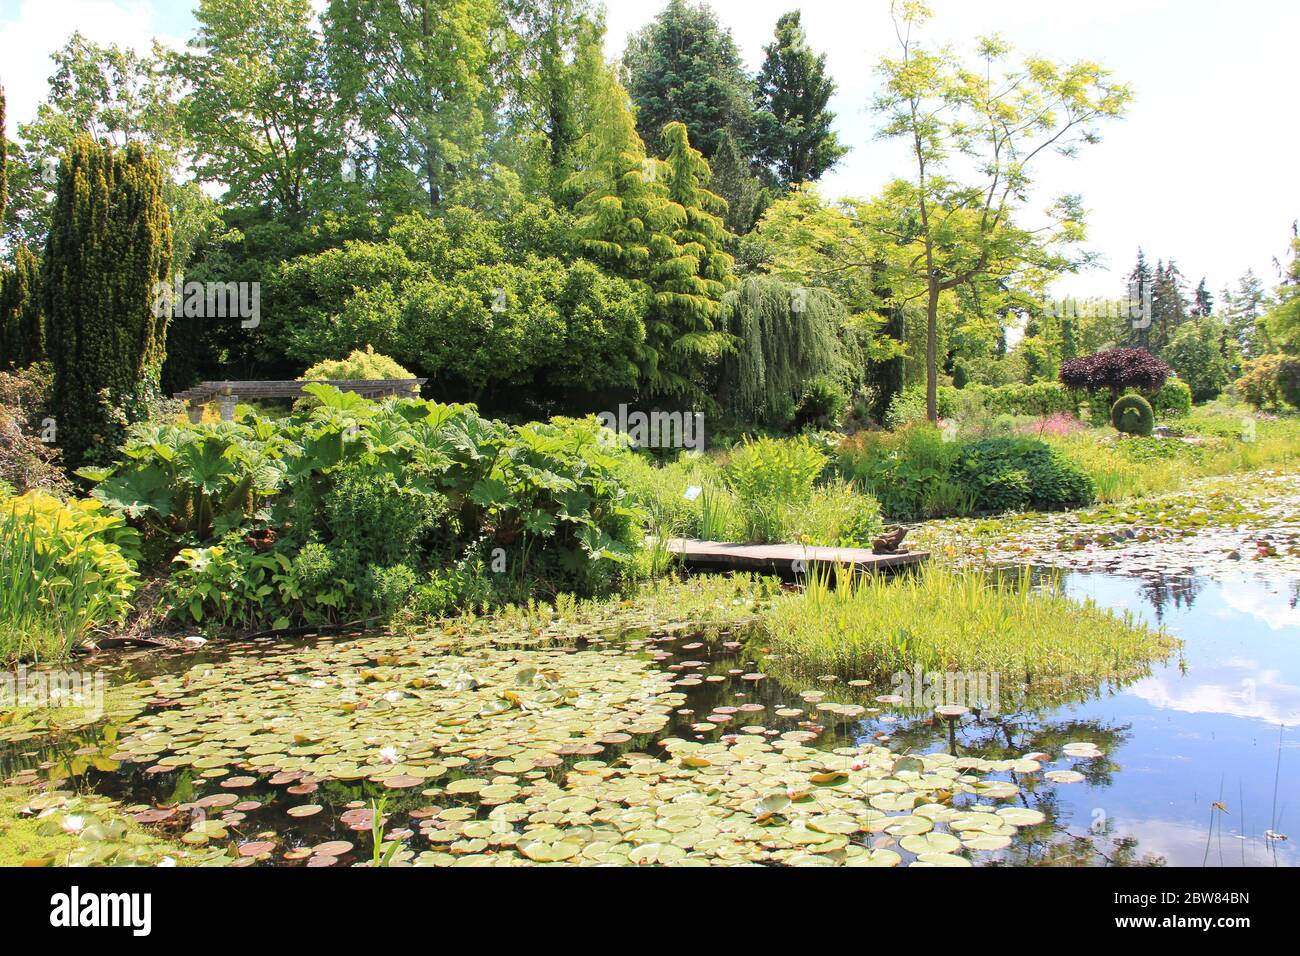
x=890 y=542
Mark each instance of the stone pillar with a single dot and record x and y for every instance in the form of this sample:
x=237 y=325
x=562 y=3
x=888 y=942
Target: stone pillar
x=227 y=403
x=195 y=411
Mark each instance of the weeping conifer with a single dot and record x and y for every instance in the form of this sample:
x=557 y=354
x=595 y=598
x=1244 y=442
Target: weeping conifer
x=109 y=243
x=785 y=336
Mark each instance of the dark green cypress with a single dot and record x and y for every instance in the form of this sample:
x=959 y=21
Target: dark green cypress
x=22 y=334
x=110 y=242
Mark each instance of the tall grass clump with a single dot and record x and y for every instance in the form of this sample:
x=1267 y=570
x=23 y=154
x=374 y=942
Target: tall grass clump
x=1035 y=639
x=64 y=569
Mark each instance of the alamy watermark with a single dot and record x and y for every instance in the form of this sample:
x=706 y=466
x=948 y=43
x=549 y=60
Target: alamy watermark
x=657 y=429
x=209 y=300
x=23 y=688
x=977 y=690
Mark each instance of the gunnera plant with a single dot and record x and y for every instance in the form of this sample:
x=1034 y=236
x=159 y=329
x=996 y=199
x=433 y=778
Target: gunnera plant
x=1132 y=415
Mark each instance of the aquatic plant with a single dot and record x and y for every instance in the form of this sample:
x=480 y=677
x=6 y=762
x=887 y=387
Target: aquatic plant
x=966 y=620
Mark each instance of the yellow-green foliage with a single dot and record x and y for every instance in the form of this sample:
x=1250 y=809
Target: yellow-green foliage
x=941 y=620
x=1222 y=440
x=64 y=568
x=361 y=364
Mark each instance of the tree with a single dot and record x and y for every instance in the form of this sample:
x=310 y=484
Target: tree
x=117 y=96
x=1114 y=371
x=556 y=45
x=1168 y=306
x=1194 y=353
x=1246 y=335
x=259 y=106
x=1203 y=304
x=684 y=67
x=4 y=158
x=993 y=123
x=653 y=222
x=1141 y=283
x=794 y=135
x=109 y=244
x=785 y=336
x=417 y=76
x=1282 y=324
x=22 y=327
x=733 y=181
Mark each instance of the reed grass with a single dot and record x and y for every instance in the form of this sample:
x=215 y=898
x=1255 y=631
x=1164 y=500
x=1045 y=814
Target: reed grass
x=942 y=619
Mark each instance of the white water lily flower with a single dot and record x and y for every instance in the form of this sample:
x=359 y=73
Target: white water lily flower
x=388 y=755
x=195 y=640
x=392 y=697
x=167 y=861
x=73 y=824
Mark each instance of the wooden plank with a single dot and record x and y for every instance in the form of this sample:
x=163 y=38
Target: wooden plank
x=781 y=557
x=206 y=391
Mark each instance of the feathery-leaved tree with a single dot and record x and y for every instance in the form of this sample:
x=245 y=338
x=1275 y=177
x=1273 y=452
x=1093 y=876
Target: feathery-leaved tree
x=417 y=77
x=109 y=243
x=975 y=134
x=653 y=222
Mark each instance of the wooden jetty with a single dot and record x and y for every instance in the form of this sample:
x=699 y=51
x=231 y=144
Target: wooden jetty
x=226 y=394
x=785 y=558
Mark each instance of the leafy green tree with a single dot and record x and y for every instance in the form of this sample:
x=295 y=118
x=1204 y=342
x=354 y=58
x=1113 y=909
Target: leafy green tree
x=1168 y=305
x=1203 y=302
x=655 y=223
x=794 y=136
x=259 y=108
x=417 y=76
x=1194 y=353
x=109 y=244
x=473 y=303
x=1282 y=324
x=117 y=96
x=1243 y=311
x=974 y=134
x=684 y=67
x=555 y=52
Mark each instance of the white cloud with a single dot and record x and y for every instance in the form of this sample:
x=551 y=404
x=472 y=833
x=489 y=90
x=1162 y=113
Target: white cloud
x=1203 y=167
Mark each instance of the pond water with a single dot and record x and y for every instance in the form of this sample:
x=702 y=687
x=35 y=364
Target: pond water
x=252 y=743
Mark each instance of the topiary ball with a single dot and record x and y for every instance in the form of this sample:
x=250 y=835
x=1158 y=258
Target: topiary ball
x=1132 y=415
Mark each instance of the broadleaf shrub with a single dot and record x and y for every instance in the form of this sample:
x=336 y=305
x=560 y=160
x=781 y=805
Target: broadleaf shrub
x=1115 y=370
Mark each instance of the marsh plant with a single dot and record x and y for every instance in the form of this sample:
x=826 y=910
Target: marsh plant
x=940 y=620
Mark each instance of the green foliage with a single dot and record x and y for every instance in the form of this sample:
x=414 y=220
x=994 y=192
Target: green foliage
x=1196 y=353
x=467 y=300
x=821 y=403
x=942 y=620
x=1174 y=400
x=1132 y=414
x=1037 y=398
x=110 y=242
x=770 y=476
x=259 y=103
x=1261 y=381
x=794 y=135
x=22 y=324
x=360 y=365
x=1012 y=474
x=65 y=568
x=344 y=505
x=786 y=336
x=684 y=66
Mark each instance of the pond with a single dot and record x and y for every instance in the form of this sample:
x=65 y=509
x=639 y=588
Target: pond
x=511 y=752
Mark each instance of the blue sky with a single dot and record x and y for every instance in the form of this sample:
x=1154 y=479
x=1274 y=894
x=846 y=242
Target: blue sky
x=1203 y=169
